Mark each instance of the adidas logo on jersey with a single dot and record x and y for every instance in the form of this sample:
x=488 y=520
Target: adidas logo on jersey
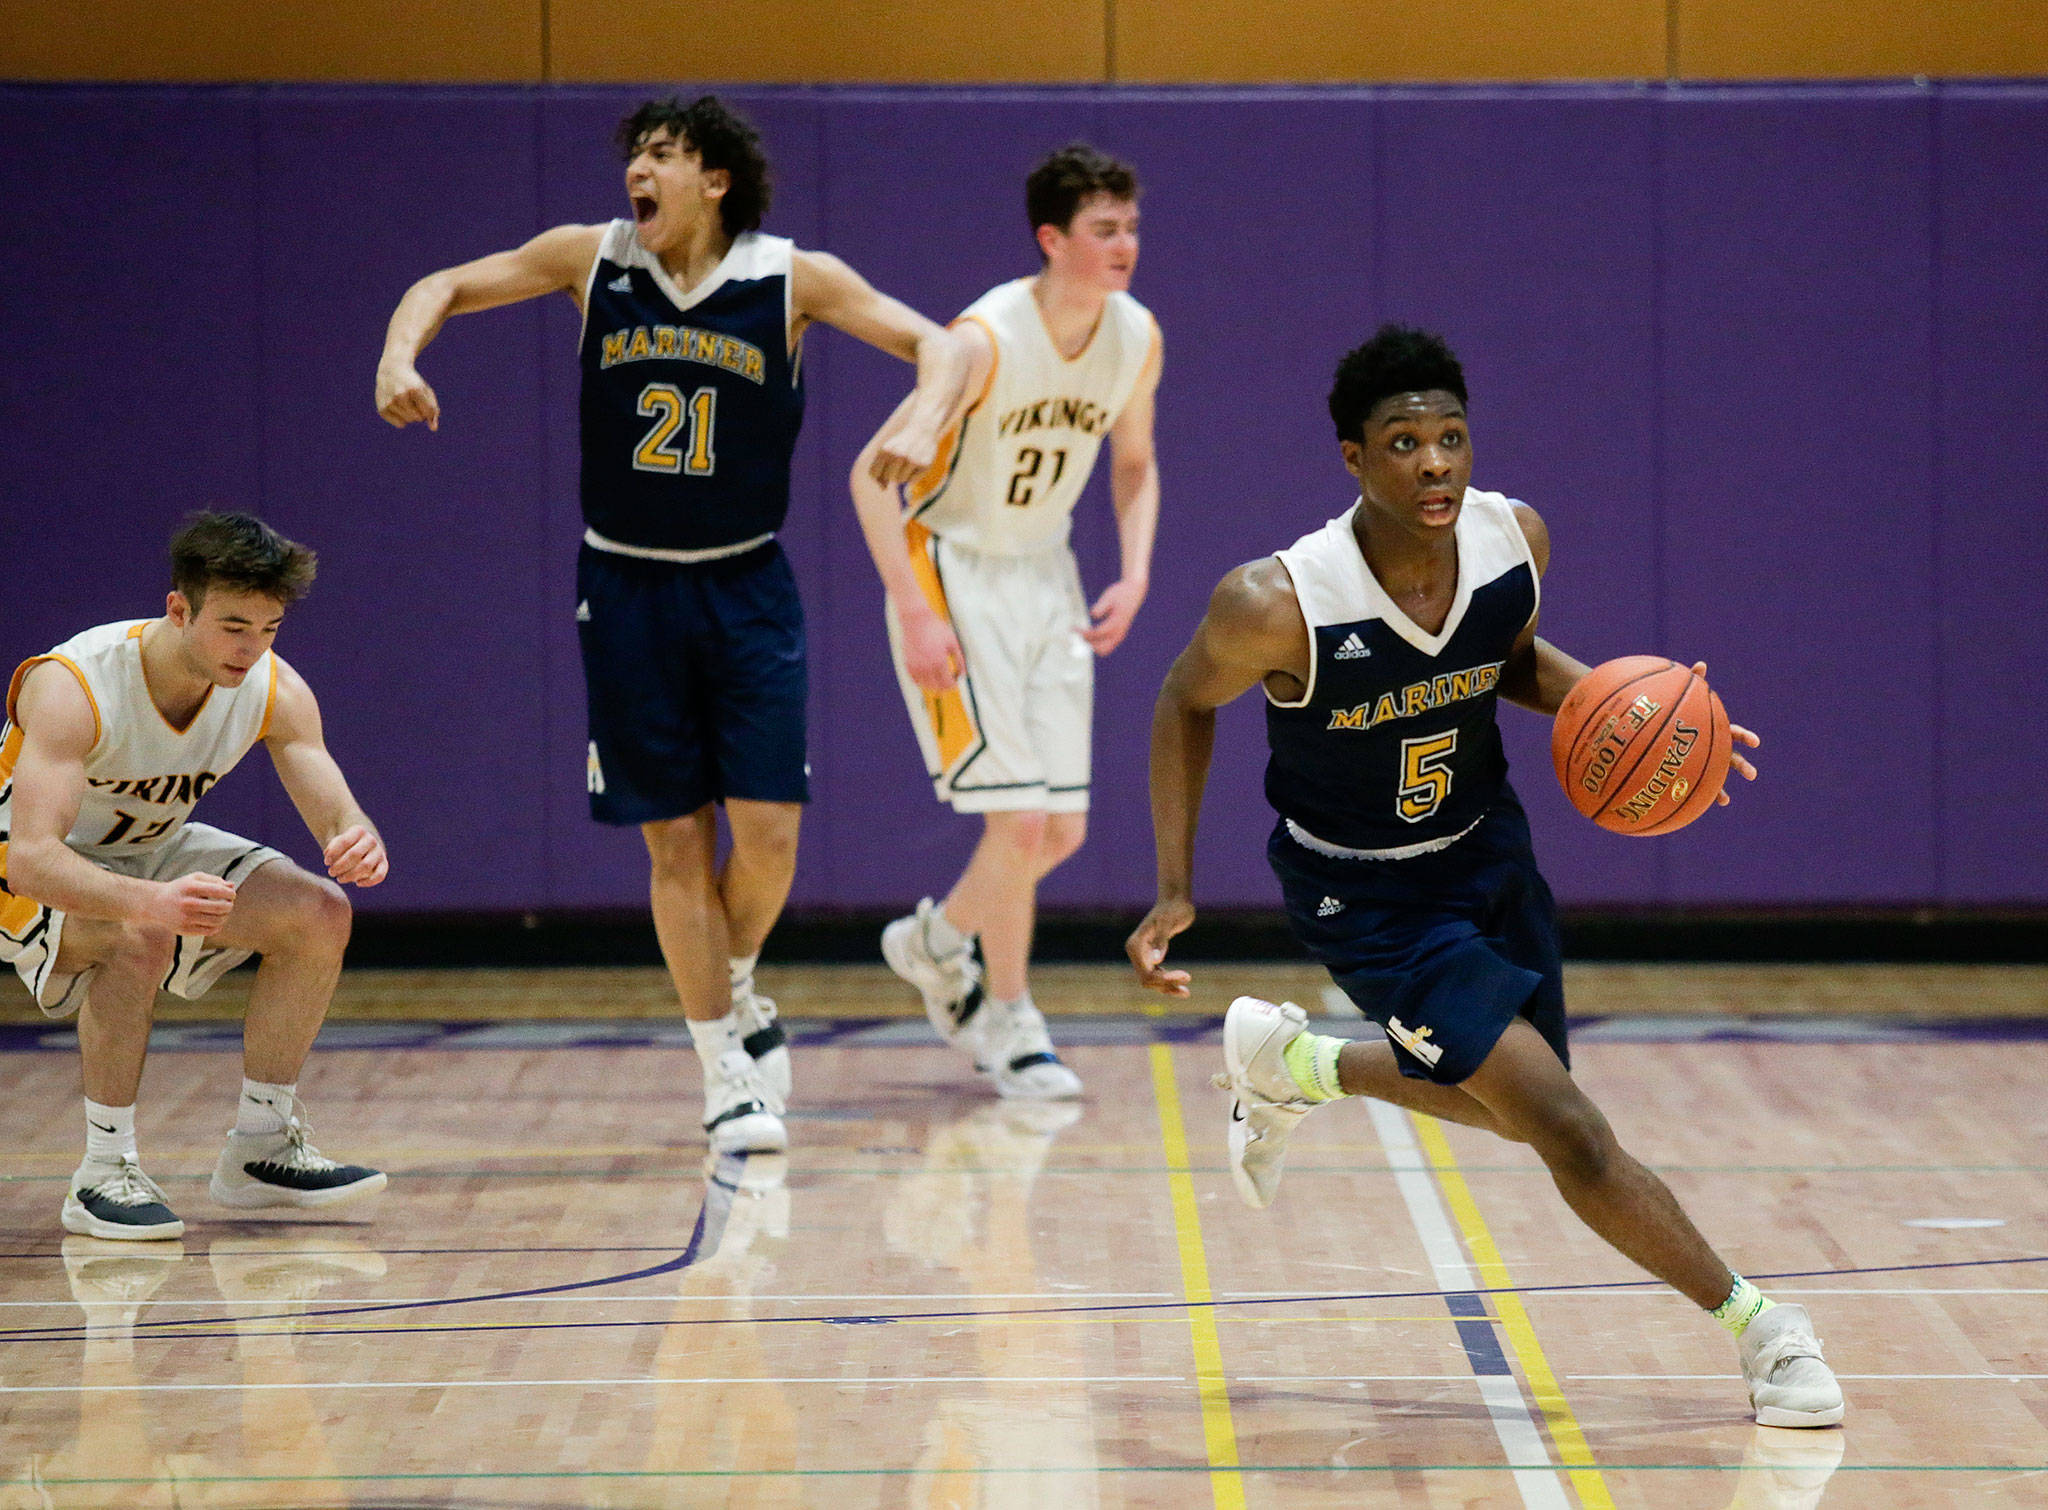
x=1330 y=908
x=583 y=612
x=1353 y=649
x=623 y=284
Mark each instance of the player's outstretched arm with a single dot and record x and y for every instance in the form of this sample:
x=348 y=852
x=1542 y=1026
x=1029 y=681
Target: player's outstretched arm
x=349 y=841
x=556 y=260
x=59 y=727
x=931 y=652
x=1134 y=491
x=824 y=288
x=1538 y=675
x=1253 y=630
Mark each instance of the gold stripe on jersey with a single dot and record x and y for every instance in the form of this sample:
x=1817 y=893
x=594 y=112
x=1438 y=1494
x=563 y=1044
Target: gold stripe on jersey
x=21 y=674
x=952 y=722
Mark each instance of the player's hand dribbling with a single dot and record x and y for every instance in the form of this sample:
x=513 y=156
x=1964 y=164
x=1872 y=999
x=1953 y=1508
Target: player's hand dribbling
x=403 y=396
x=355 y=857
x=931 y=651
x=1740 y=736
x=196 y=905
x=903 y=454
x=1112 y=613
x=1147 y=946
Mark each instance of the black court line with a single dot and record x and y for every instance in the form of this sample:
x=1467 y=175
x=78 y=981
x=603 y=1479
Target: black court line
x=718 y=1197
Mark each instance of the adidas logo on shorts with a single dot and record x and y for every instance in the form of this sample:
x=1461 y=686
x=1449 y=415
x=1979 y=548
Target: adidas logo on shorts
x=1353 y=649
x=1329 y=908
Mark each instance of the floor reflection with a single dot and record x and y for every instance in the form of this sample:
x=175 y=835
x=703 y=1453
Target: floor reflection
x=968 y=1212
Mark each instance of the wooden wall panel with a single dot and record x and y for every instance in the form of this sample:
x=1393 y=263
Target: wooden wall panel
x=810 y=41
x=1382 y=41
x=397 y=41
x=1768 y=39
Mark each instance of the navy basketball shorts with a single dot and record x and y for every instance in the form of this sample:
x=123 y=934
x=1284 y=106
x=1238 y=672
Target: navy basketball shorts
x=1443 y=950
x=696 y=680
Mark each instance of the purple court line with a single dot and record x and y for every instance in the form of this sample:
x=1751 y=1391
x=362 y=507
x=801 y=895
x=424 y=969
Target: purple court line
x=223 y=1037
x=689 y=1256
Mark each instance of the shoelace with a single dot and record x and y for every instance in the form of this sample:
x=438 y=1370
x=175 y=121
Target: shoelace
x=298 y=1151
x=131 y=1187
x=1784 y=1349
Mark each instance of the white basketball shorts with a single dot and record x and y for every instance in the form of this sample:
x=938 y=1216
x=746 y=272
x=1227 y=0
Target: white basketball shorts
x=1013 y=734
x=31 y=934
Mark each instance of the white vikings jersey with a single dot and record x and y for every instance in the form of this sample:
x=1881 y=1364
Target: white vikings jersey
x=1008 y=476
x=142 y=775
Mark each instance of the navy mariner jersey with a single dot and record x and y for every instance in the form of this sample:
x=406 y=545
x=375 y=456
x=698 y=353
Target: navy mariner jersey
x=1393 y=745
x=691 y=402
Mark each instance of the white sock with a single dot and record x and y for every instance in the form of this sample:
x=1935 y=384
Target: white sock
x=739 y=970
x=940 y=936
x=264 y=1108
x=109 y=1132
x=713 y=1037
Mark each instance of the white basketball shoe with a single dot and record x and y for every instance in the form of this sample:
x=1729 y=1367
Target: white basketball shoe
x=1011 y=1046
x=762 y=1037
x=949 y=983
x=1789 y=1382
x=1265 y=1103
x=741 y=1113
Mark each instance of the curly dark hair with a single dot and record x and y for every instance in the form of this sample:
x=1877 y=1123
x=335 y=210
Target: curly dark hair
x=721 y=139
x=1057 y=186
x=1398 y=359
x=241 y=553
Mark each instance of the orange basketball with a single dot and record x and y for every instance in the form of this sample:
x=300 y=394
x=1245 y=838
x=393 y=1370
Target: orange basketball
x=1641 y=745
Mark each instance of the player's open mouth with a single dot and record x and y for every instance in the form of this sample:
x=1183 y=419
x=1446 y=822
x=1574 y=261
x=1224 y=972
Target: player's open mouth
x=643 y=208
x=1438 y=509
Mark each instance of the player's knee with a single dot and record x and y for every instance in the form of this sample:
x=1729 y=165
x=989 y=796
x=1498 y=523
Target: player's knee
x=144 y=949
x=326 y=913
x=1575 y=1142
x=1064 y=835
x=767 y=842
x=681 y=851
x=1021 y=835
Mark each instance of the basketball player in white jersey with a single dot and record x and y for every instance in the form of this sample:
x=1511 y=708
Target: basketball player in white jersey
x=992 y=637
x=108 y=893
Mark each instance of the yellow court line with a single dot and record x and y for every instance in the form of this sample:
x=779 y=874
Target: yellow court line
x=1219 y=1433
x=1514 y=1319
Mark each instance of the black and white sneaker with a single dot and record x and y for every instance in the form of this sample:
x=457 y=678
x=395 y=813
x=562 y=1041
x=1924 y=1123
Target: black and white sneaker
x=119 y=1202
x=283 y=1168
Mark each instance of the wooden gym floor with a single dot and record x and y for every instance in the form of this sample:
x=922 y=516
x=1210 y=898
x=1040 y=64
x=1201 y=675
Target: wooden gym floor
x=941 y=1300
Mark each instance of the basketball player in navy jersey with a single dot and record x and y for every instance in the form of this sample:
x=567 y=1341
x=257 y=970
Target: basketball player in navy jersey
x=1383 y=642
x=693 y=643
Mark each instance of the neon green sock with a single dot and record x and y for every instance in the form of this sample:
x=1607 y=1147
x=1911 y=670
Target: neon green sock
x=1744 y=1304
x=1311 y=1059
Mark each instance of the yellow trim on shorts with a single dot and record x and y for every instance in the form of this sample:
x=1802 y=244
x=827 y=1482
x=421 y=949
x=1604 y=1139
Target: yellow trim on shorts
x=952 y=722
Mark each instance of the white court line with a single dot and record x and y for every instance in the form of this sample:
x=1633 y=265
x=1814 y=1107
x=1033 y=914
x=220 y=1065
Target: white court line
x=1505 y=1406
x=648 y=1299
x=838 y=1379
x=1952 y=1378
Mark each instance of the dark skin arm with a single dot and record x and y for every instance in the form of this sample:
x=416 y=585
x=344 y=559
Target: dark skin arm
x=1252 y=632
x=1538 y=675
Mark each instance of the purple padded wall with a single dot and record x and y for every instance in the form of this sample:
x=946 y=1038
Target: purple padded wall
x=1991 y=482
x=1797 y=502
x=1728 y=341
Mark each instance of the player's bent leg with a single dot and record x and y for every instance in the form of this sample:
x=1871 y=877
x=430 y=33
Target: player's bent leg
x=753 y=886
x=742 y=1113
x=1525 y=1086
x=109 y=1196
x=299 y=923
x=1065 y=833
x=995 y=894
